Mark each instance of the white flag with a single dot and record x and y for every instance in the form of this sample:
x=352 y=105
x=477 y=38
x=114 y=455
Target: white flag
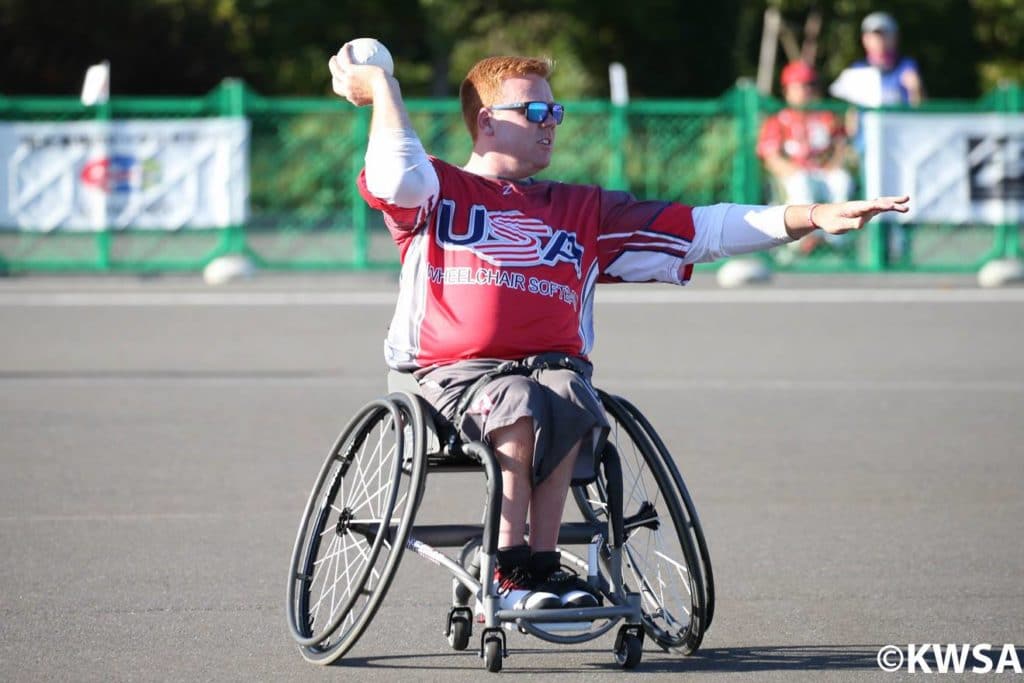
x=96 y=88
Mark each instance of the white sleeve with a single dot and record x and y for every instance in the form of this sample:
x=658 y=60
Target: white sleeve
x=724 y=230
x=398 y=169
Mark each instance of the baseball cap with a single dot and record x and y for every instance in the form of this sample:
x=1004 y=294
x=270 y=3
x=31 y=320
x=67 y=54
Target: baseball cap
x=798 y=72
x=879 y=22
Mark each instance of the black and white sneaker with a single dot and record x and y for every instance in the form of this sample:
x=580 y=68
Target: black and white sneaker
x=571 y=589
x=551 y=577
x=516 y=590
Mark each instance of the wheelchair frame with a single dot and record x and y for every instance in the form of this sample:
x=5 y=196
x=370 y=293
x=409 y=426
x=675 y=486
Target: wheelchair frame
x=426 y=442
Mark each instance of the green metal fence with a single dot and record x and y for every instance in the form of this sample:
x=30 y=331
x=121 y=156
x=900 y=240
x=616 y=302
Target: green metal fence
x=305 y=154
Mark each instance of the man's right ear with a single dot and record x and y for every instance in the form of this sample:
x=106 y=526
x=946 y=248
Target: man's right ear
x=484 y=122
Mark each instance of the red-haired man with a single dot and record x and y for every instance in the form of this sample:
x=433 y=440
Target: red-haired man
x=498 y=265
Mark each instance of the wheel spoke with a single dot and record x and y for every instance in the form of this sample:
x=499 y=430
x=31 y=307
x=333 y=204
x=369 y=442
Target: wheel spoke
x=331 y=557
x=635 y=469
x=370 y=495
x=334 y=565
x=379 y=451
x=361 y=484
x=684 y=572
x=334 y=583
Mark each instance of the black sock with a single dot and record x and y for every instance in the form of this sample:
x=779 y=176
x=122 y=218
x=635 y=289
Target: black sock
x=542 y=564
x=515 y=556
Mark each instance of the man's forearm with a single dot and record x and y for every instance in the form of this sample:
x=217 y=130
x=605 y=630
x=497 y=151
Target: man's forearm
x=389 y=111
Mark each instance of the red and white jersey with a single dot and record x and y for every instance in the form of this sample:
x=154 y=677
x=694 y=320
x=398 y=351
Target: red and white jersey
x=497 y=269
x=807 y=138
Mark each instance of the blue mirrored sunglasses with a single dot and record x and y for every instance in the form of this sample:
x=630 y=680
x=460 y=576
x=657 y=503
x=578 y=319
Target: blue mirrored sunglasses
x=536 y=112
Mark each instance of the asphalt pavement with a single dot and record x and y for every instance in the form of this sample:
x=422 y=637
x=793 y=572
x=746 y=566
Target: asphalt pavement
x=855 y=449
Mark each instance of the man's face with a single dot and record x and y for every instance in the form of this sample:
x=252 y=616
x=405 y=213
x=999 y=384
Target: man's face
x=878 y=44
x=800 y=94
x=529 y=144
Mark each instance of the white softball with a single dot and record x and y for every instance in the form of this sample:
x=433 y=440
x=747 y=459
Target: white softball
x=739 y=272
x=1001 y=272
x=371 y=51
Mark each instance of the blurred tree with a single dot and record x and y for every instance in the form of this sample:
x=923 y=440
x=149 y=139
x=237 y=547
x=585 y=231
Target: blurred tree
x=999 y=30
x=670 y=48
x=935 y=33
x=154 y=47
x=188 y=46
x=446 y=23
x=285 y=44
x=544 y=34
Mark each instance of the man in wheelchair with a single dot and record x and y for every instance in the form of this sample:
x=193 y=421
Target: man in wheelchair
x=500 y=266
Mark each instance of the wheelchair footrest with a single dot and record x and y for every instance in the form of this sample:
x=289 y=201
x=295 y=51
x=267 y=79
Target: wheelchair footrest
x=565 y=614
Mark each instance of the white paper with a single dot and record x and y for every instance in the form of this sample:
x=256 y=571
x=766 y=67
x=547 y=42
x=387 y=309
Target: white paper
x=96 y=87
x=861 y=86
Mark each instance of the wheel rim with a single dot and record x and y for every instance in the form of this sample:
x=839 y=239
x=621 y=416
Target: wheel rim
x=693 y=520
x=354 y=528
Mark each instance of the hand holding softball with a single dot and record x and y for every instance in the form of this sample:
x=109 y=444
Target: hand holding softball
x=357 y=66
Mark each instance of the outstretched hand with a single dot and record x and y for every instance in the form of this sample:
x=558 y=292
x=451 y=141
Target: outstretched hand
x=846 y=216
x=353 y=81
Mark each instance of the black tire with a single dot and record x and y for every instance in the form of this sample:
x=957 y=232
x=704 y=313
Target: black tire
x=691 y=511
x=629 y=654
x=492 y=655
x=462 y=631
x=354 y=527
x=664 y=564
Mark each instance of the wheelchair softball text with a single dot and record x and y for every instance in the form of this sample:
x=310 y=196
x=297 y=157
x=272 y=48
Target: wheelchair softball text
x=951 y=658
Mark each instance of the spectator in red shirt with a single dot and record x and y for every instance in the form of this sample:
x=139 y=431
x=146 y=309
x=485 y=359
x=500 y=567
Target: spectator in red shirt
x=804 y=149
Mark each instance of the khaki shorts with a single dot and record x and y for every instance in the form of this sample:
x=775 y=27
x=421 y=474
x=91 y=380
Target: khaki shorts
x=562 y=403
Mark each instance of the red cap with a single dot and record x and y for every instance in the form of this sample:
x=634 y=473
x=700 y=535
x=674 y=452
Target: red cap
x=798 y=72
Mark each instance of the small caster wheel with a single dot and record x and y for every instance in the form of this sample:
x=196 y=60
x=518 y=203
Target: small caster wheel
x=461 y=631
x=492 y=655
x=492 y=648
x=459 y=627
x=629 y=647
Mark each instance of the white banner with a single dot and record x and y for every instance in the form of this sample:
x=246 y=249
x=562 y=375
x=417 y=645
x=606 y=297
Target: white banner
x=957 y=168
x=93 y=175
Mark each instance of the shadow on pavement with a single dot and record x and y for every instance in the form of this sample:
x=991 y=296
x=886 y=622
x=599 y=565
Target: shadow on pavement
x=768 y=658
x=716 y=660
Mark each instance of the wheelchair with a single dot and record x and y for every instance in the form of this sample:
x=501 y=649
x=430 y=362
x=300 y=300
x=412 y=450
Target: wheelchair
x=645 y=552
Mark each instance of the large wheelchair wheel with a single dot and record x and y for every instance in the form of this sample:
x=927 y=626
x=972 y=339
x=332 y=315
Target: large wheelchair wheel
x=696 y=529
x=664 y=556
x=354 y=527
